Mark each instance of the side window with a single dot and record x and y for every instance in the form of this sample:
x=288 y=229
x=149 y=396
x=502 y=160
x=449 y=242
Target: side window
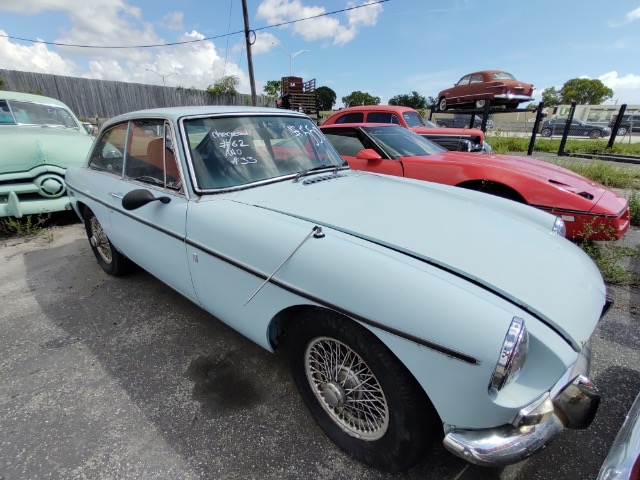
x=150 y=157
x=464 y=80
x=351 y=118
x=346 y=143
x=5 y=113
x=108 y=154
x=381 y=117
x=476 y=79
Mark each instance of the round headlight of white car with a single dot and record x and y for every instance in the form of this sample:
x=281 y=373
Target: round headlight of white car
x=512 y=355
x=559 y=227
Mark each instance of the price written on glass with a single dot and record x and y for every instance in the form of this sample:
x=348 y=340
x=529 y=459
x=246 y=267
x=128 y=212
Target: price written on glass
x=233 y=147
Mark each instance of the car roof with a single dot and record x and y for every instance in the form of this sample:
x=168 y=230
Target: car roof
x=30 y=97
x=175 y=113
x=367 y=108
x=360 y=124
x=486 y=71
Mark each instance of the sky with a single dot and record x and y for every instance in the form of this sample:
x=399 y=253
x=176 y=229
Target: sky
x=385 y=49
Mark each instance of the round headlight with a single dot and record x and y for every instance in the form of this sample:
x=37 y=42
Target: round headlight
x=512 y=355
x=559 y=227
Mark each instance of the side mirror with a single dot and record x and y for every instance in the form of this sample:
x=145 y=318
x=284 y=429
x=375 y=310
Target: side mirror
x=368 y=154
x=140 y=197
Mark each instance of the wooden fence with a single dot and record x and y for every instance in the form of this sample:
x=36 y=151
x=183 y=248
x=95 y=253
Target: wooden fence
x=91 y=99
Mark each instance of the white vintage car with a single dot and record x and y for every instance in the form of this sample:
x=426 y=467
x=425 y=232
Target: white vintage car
x=410 y=312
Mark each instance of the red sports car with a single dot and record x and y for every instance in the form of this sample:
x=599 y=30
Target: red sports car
x=456 y=139
x=474 y=89
x=589 y=210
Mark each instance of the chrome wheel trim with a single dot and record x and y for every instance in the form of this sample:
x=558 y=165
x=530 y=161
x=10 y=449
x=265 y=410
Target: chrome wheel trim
x=622 y=131
x=443 y=104
x=346 y=388
x=480 y=103
x=100 y=241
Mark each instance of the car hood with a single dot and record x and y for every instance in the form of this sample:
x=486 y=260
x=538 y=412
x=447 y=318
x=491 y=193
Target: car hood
x=26 y=147
x=506 y=247
x=553 y=174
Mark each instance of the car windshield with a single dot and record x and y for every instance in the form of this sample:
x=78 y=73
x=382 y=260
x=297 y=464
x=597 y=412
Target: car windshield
x=400 y=142
x=413 y=119
x=232 y=151
x=502 y=76
x=28 y=113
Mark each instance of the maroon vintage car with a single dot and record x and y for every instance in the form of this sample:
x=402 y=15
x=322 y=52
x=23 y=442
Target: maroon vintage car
x=474 y=89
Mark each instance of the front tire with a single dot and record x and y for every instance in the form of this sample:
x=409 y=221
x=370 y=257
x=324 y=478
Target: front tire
x=442 y=105
x=594 y=134
x=111 y=261
x=480 y=103
x=545 y=132
x=359 y=393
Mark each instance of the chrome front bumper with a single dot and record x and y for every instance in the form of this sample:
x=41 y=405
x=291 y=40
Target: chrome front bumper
x=570 y=404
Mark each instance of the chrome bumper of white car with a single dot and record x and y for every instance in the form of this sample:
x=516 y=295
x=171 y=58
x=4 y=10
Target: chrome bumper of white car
x=570 y=404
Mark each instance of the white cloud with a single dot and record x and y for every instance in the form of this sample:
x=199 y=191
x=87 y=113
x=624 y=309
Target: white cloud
x=632 y=16
x=280 y=11
x=33 y=58
x=174 y=21
x=626 y=89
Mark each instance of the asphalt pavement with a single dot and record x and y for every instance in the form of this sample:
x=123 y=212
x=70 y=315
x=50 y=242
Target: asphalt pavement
x=113 y=378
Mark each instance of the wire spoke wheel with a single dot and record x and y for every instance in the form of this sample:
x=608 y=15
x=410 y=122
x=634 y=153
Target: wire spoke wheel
x=346 y=388
x=100 y=241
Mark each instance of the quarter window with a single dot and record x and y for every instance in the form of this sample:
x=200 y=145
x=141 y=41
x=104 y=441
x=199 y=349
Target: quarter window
x=351 y=118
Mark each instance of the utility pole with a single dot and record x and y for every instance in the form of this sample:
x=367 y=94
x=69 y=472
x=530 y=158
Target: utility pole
x=247 y=40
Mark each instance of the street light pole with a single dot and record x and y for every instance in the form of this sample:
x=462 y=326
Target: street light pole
x=160 y=75
x=291 y=57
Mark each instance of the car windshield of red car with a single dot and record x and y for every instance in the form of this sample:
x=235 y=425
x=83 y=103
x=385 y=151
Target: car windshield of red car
x=399 y=142
x=502 y=76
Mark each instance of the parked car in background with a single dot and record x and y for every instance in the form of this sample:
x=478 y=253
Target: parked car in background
x=590 y=211
x=39 y=138
x=623 y=460
x=461 y=120
x=408 y=311
x=578 y=128
x=474 y=89
x=459 y=139
x=629 y=123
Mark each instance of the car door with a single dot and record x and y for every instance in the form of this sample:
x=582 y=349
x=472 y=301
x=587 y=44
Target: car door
x=153 y=235
x=477 y=88
x=351 y=141
x=459 y=92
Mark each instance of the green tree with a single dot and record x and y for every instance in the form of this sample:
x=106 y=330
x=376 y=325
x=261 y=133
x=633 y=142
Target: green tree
x=360 y=98
x=413 y=100
x=325 y=98
x=272 y=88
x=551 y=97
x=224 y=85
x=431 y=102
x=585 y=91
x=1 y=83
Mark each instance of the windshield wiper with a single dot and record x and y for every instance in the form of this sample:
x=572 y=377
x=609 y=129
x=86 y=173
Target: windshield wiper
x=309 y=170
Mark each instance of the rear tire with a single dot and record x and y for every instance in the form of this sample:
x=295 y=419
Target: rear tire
x=111 y=261
x=622 y=131
x=359 y=393
x=545 y=132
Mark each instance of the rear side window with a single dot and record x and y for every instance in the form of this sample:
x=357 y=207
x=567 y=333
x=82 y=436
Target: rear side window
x=382 y=117
x=355 y=117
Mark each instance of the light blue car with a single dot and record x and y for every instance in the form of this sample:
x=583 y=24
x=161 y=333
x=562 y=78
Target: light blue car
x=410 y=312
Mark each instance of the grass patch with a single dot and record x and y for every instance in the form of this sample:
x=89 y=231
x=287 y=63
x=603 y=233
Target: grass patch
x=28 y=226
x=607 y=256
x=503 y=143
x=605 y=173
x=634 y=208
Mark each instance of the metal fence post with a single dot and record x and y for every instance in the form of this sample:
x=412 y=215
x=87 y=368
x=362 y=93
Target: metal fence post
x=536 y=125
x=567 y=127
x=616 y=125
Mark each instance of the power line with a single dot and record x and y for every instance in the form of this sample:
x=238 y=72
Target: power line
x=58 y=44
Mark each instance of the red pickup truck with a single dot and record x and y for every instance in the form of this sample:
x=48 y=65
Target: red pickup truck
x=457 y=139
